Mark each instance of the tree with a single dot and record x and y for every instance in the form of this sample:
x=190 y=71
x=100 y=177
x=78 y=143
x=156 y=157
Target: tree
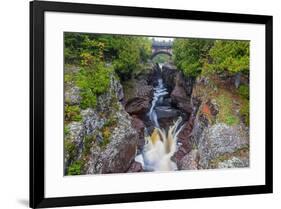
x=230 y=56
x=190 y=54
x=125 y=53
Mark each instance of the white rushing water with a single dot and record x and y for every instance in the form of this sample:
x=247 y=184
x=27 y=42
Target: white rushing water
x=161 y=145
x=159 y=92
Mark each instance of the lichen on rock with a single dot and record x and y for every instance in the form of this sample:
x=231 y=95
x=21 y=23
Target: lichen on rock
x=104 y=141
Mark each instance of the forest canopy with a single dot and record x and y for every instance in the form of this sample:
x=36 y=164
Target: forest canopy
x=196 y=56
x=124 y=53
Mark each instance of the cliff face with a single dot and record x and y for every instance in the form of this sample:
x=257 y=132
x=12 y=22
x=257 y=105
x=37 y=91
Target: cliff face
x=99 y=139
x=219 y=136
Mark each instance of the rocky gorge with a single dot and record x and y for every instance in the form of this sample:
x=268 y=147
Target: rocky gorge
x=211 y=133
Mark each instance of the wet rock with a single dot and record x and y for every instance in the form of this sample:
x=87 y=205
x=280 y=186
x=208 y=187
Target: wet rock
x=167 y=101
x=154 y=75
x=179 y=154
x=139 y=126
x=138 y=95
x=214 y=108
x=200 y=123
x=120 y=152
x=179 y=96
x=137 y=106
x=169 y=73
x=166 y=112
x=135 y=167
x=185 y=145
x=189 y=161
x=137 y=88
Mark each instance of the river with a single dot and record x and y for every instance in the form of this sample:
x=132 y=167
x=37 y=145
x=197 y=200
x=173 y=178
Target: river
x=161 y=144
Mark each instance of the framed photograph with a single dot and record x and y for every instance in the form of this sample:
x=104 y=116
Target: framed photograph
x=133 y=104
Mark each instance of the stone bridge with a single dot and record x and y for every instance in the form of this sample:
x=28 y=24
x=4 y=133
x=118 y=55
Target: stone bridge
x=161 y=47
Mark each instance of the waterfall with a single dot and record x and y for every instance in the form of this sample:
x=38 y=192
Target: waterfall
x=161 y=145
x=159 y=92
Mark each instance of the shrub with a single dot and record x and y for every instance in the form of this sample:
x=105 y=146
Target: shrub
x=244 y=91
x=245 y=112
x=72 y=113
x=88 y=141
x=66 y=130
x=75 y=168
x=70 y=149
x=92 y=81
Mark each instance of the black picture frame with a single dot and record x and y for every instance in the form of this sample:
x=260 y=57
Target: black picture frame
x=37 y=196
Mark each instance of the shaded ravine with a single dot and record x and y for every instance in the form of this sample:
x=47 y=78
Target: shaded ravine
x=161 y=143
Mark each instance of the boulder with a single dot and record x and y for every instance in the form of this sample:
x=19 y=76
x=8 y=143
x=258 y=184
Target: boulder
x=135 y=167
x=91 y=121
x=189 y=161
x=137 y=88
x=74 y=139
x=139 y=126
x=86 y=140
x=184 y=140
x=221 y=142
x=120 y=152
x=166 y=112
x=169 y=73
x=179 y=96
x=72 y=95
x=234 y=162
x=137 y=106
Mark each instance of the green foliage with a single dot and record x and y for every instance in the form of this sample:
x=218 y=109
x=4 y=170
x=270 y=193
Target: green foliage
x=78 y=44
x=69 y=77
x=107 y=129
x=74 y=168
x=196 y=56
x=111 y=121
x=245 y=112
x=92 y=81
x=70 y=148
x=126 y=53
x=190 y=54
x=66 y=130
x=88 y=141
x=230 y=56
x=106 y=133
x=130 y=52
x=226 y=114
x=244 y=91
x=72 y=113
